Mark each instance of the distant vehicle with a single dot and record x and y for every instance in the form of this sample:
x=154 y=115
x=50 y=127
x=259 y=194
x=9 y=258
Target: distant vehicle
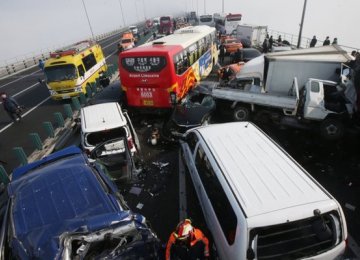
x=249 y=54
x=127 y=41
x=231 y=22
x=149 y=24
x=69 y=71
x=254 y=35
x=134 y=29
x=65 y=207
x=156 y=21
x=166 y=25
x=103 y=122
x=194 y=110
x=206 y=19
x=254 y=197
x=219 y=20
x=231 y=45
x=167 y=68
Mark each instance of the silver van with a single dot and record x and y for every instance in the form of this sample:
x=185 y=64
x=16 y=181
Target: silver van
x=258 y=202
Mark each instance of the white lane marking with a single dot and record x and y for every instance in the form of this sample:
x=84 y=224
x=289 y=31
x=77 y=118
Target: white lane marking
x=182 y=191
x=26 y=113
x=22 y=91
x=19 y=78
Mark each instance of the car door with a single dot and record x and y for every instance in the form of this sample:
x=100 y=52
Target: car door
x=314 y=103
x=132 y=132
x=115 y=159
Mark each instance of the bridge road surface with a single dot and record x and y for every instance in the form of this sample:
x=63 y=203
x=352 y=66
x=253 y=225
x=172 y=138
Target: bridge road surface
x=334 y=164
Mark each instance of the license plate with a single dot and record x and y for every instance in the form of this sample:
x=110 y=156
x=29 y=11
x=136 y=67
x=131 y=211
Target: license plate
x=148 y=102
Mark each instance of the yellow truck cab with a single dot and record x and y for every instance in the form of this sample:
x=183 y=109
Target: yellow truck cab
x=70 y=70
x=127 y=41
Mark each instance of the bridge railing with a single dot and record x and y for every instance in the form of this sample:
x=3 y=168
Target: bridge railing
x=305 y=41
x=16 y=65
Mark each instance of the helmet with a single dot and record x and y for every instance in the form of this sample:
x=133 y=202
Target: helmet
x=184 y=230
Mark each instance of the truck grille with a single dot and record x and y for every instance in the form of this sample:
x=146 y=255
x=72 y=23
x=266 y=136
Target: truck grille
x=298 y=239
x=64 y=91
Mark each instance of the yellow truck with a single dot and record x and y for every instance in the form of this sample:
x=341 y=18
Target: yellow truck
x=69 y=71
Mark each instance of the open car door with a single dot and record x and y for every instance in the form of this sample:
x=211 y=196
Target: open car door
x=115 y=158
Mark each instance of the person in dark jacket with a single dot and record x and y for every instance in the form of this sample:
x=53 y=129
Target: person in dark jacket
x=313 y=42
x=11 y=107
x=221 y=53
x=271 y=42
x=327 y=41
x=335 y=41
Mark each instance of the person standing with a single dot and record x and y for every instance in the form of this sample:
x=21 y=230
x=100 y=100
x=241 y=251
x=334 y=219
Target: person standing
x=221 y=53
x=41 y=64
x=266 y=45
x=327 y=41
x=334 y=41
x=271 y=42
x=11 y=107
x=313 y=42
x=187 y=243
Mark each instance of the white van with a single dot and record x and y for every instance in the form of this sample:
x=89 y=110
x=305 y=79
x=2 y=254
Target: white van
x=103 y=122
x=258 y=202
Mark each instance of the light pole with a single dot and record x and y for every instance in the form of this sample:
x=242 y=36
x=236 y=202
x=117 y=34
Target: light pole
x=144 y=9
x=122 y=14
x=137 y=13
x=222 y=6
x=87 y=16
x=204 y=7
x=301 y=24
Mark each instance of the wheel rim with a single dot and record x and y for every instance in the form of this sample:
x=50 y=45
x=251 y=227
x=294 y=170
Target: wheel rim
x=241 y=115
x=332 y=129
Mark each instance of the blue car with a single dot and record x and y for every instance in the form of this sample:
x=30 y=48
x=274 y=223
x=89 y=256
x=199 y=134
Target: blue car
x=64 y=207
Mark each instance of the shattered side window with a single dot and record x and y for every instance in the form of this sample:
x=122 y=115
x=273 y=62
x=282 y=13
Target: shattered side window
x=191 y=140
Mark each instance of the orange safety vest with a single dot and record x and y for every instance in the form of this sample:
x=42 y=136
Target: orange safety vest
x=198 y=236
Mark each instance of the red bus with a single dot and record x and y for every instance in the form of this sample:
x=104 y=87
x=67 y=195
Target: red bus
x=170 y=65
x=166 y=25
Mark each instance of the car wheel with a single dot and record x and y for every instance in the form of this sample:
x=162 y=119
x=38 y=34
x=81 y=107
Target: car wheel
x=332 y=129
x=241 y=114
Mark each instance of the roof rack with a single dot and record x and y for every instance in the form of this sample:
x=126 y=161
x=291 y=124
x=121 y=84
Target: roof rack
x=73 y=49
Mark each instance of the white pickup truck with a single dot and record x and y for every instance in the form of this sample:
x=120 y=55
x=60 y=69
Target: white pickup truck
x=284 y=88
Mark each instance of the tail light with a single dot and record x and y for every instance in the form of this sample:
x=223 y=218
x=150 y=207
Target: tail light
x=130 y=143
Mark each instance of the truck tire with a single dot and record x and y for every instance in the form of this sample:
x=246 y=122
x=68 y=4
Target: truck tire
x=241 y=114
x=332 y=129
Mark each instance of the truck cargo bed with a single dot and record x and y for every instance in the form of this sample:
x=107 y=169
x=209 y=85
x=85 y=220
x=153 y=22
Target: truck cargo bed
x=254 y=96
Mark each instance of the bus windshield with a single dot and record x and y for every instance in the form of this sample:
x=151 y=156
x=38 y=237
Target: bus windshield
x=60 y=73
x=165 y=19
x=231 y=18
x=144 y=64
x=125 y=40
x=205 y=19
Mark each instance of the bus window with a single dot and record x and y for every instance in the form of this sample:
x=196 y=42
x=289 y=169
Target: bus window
x=89 y=61
x=81 y=70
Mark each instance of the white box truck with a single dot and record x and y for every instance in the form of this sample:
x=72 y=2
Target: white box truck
x=250 y=35
x=298 y=88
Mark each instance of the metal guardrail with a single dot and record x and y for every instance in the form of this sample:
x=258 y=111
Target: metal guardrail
x=12 y=68
x=305 y=41
x=19 y=65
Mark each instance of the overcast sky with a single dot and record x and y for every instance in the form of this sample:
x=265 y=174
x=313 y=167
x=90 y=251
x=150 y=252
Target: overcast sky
x=30 y=26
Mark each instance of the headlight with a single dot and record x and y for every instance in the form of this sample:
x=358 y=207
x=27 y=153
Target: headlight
x=52 y=92
x=78 y=89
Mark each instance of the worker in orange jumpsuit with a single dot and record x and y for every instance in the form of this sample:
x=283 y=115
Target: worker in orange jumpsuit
x=187 y=242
